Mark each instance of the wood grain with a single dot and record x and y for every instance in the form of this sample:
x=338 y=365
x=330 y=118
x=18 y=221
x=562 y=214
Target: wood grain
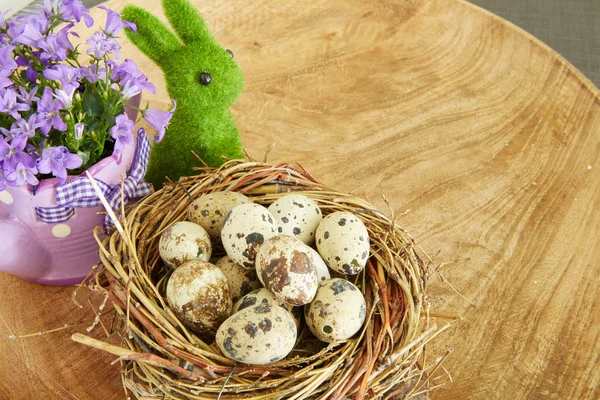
x=486 y=139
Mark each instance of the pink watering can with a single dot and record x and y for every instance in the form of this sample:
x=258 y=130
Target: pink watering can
x=47 y=237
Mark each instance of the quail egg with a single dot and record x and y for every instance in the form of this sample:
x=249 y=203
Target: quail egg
x=322 y=269
x=262 y=295
x=261 y=334
x=209 y=210
x=245 y=229
x=286 y=267
x=198 y=294
x=184 y=241
x=343 y=242
x=298 y=216
x=241 y=280
x=337 y=312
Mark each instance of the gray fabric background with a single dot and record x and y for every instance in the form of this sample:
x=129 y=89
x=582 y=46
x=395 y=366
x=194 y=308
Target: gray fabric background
x=571 y=27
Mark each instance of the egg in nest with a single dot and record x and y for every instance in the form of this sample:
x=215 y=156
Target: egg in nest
x=261 y=334
x=245 y=229
x=198 y=294
x=337 y=312
x=286 y=267
x=184 y=241
x=297 y=216
x=209 y=210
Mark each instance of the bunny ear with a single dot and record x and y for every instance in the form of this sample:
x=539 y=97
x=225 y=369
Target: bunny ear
x=152 y=36
x=186 y=21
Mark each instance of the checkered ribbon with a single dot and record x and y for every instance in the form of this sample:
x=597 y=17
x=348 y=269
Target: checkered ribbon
x=79 y=192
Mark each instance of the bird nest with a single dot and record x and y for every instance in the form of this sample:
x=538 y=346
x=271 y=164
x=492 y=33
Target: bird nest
x=162 y=359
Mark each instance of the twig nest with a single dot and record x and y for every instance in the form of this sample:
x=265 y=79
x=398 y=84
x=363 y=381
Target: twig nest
x=245 y=228
x=343 y=242
x=261 y=334
x=382 y=360
x=337 y=312
x=198 y=294
x=209 y=210
x=286 y=267
x=184 y=241
x=241 y=280
x=297 y=216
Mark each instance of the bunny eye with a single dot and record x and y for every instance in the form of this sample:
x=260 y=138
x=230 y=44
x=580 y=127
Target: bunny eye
x=205 y=79
x=230 y=53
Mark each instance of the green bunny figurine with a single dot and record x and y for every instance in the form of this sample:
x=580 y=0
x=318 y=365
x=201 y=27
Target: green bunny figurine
x=203 y=79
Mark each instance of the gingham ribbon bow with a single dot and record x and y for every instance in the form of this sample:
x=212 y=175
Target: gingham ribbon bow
x=79 y=192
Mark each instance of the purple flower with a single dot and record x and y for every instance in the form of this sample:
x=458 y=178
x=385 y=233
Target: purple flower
x=57 y=160
x=49 y=112
x=15 y=28
x=67 y=75
x=33 y=29
x=122 y=132
x=26 y=128
x=3 y=24
x=53 y=49
x=79 y=127
x=129 y=90
x=7 y=63
x=30 y=36
x=127 y=72
x=159 y=120
x=101 y=45
x=28 y=97
x=22 y=174
x=114 y=23
x=31 y=74
x=74 y=9
x=65 y=96
x=12 y=153
x=5 y=82
x=51 y=7
x=9 y=104
x=2 y=178
x=92 y=74
x=63 y=36
x=7 y=133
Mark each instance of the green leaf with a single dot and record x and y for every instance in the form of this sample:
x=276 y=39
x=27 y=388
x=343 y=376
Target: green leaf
x=92 y=104
x=85 y=156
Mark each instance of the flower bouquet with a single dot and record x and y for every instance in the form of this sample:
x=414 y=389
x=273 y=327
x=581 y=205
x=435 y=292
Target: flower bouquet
x=65 y=109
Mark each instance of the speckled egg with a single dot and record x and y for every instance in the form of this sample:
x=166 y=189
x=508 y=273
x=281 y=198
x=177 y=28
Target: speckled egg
x=261 y=295
x=241 y=280
x=245 y=229
x=198 y=294
x=286 y=267
x=298 y=216
x=343 y=242
x=260 y=334
x=337 y=312
x=322 y=269
x=184 y=241
x=209 y=210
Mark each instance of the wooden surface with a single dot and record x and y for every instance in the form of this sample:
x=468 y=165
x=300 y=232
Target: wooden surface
x=484 y=137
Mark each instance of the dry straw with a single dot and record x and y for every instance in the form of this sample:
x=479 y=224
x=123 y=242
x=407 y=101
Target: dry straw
x=161 y=359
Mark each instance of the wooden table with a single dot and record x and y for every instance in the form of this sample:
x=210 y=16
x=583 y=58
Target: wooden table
x=483 y=138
